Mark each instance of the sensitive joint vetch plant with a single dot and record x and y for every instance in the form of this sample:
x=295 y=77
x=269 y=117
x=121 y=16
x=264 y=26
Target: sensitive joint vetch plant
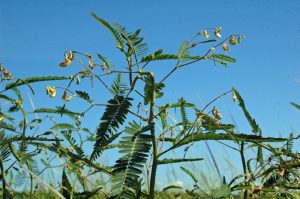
x=136 y=122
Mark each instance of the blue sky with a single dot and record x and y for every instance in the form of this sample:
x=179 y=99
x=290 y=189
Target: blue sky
x=34 y=35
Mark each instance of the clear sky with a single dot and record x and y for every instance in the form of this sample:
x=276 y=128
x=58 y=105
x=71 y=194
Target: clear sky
x=34 y=35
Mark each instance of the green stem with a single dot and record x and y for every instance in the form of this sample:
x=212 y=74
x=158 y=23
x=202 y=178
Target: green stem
x=244 y=167
x=31 y=179
x=154 y=143
x=130 y=70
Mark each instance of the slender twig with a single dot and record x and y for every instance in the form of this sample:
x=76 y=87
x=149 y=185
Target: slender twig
x=215 y=99
x=137 y=115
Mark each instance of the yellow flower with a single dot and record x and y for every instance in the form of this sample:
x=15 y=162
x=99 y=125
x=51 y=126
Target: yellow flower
x=206 y=34
x=67 y=62
x=225 y=47
x=232 y=41
x=51 y=91
x=1 y=118
x=217 y=32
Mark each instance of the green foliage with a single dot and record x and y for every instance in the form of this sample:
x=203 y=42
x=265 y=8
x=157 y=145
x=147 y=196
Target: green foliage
x=170 y=161
x=27 y=81
x=295 y=105
x=135 y=147
x=189 y=173
x=223 y=58
x=251 y=121
x=72 y=142
x=59 y=110
x=222 y=136
x=115 y=33
x=4 y=150
x=118 y=87
x=171 y=187
x=114 y=116
x=61 y=126
x=184 y=118
x=6 y=126
x=158 y=57
x=66 y=185
x=134 y=43
x=107 y=63
x=84 y=95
